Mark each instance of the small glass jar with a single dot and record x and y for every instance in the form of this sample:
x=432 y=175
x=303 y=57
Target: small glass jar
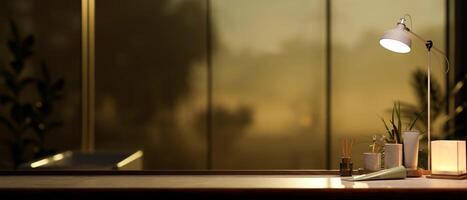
x=346 y=166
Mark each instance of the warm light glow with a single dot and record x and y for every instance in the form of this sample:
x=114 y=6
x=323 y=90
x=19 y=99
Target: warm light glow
x=448 y=157
x=394 y=45
x=58 y=157
x=48 y=160
x=39 y=163
x=131 y=158
x=459 y=109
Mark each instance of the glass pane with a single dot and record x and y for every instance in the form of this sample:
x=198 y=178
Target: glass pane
x=366 y=78
x=268 y=84
x=151 y=80
x=56 y=27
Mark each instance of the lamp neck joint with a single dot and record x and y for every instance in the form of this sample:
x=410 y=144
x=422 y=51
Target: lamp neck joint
x=429 y=44
x=402 y=22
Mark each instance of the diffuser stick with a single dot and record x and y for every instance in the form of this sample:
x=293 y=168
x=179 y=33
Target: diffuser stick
x=346 y=164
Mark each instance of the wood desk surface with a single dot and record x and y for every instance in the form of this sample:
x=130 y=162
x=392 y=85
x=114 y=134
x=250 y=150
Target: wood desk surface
x=227 y=186
x=220 y=182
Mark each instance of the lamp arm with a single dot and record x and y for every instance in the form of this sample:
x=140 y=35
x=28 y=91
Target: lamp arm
x=431 y=47
x=424 y=40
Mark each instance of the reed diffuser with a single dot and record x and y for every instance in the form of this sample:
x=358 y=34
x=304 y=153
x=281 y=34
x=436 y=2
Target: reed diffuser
x=346 y=164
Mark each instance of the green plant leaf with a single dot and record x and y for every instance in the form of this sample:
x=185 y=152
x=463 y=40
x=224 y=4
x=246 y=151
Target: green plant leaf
x=399 y=121
x=385 y=125
x=395 y=132
x=392 y=115
x=411 y=125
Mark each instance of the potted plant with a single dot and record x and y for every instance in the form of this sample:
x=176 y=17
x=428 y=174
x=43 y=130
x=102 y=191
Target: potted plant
x=393 y=147
x=372 y=159
x=26 y=114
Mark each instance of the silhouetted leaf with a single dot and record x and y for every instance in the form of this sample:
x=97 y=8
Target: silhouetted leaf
x=26 y=81
x=11 y=84
x=420 y=85
x=58 y=85
x=8 y=124
x=26 y=51
x=17 y=65
x=13 y=46
x=20 y=113
x=45 y=108
x=42 y=88
x=30 y=141
x=45 y=72
x=6 y=74
x=39 y=128
x=28 y=42
x=5 y=99
x=14 y=29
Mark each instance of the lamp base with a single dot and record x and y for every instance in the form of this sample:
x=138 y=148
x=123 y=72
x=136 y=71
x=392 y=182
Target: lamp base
x=414 y=172
x=455 y=177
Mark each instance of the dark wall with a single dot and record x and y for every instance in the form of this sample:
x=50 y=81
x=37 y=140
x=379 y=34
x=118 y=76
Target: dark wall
x=461 y=65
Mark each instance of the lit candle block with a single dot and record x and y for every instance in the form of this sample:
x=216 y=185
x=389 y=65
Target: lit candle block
x=448 y=157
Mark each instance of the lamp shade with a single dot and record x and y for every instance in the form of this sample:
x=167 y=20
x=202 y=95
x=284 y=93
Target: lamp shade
x=397 y=40
x=448 y=157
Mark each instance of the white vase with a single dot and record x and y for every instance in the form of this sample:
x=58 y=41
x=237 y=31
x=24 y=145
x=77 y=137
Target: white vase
x=411 y=149
x=372 y=161
x=392 y=155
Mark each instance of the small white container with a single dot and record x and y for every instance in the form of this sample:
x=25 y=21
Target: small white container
x=392 y=155
x=372 y=161
x=411 y=149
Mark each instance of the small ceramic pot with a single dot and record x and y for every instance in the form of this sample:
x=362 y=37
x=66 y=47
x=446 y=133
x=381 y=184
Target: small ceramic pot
x=372 y=161
x=411 y=149
x=392 y=155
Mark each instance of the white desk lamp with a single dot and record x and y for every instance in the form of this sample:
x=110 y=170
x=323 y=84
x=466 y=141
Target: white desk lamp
x=398 y=40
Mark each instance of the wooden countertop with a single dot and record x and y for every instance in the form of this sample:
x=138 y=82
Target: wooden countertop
x=224 y=186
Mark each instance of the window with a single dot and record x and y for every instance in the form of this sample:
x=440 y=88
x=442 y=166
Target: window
x=226 y=84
